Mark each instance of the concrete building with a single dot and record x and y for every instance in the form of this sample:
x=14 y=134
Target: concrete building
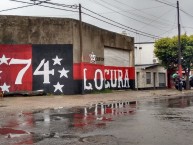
x=149 y=73
x=55 y=55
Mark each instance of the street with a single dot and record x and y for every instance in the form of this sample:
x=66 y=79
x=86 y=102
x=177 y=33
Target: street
x=155 y=121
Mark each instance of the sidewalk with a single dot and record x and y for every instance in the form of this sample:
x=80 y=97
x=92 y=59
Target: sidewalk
x=18 y=104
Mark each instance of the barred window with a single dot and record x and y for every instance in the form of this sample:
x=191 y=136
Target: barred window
x=148 y=77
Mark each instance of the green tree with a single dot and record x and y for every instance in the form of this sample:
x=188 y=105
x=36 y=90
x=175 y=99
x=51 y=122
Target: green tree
x=166 y=50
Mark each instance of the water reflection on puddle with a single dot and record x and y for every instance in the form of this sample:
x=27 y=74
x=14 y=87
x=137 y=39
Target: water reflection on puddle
x=94 y=116
x=177 y=110
x=80 y=124
x=180 y=102
x=29 y=128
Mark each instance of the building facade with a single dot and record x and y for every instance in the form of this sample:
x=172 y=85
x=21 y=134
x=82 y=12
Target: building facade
x=63 y=56
x=149 y=73
x=150 y=76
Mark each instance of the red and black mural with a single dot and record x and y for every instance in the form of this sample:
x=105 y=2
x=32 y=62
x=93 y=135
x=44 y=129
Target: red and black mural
x=50 y=68
x=99 y=77
x=15 y=67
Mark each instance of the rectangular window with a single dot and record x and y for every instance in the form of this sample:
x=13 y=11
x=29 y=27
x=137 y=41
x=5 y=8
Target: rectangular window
x=162 y=79
x=148 y=77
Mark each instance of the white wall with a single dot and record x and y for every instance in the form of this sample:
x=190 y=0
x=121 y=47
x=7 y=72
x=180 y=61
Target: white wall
x=144 y=55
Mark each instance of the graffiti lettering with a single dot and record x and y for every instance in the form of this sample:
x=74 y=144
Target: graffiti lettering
x=98 y=71
x=107 y=84
x=22 y=72
x=46 y=72
x=118 y=79
x=89 y=86
x=113 y=78
x=126 y=80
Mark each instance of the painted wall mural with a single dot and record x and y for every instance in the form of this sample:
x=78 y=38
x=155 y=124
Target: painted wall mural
x=50 y=68
x=15 y=67
x=36 y=67
x=100 y=77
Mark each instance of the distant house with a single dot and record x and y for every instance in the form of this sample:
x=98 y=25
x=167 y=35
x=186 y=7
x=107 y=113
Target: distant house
x=149 y=73
x=150 y=76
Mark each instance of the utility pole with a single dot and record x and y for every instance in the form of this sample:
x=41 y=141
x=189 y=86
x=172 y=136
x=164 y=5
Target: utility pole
x=179 y=50
x=80 y=31
x=81 y=50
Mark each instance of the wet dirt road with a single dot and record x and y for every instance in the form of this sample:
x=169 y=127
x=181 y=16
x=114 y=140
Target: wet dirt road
x=155 y=122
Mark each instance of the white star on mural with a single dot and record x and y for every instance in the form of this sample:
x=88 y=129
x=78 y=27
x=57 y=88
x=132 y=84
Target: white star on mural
x=63 y=72
x=5 y=87
x=58 y=87
x=57 y=60
x=4 y=60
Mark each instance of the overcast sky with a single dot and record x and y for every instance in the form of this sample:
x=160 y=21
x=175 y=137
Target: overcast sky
x=148 y=16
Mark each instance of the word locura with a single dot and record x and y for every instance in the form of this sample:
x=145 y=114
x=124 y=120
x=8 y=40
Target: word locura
x=109 y=78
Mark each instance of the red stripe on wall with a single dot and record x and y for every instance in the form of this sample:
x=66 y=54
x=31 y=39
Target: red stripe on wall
x=117 y=70
x=90 y=70
x=107 y=71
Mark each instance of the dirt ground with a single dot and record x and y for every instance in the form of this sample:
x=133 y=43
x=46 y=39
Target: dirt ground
x=12 y=104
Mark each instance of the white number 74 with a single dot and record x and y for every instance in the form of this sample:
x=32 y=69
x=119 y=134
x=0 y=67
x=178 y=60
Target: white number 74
x=22 y=71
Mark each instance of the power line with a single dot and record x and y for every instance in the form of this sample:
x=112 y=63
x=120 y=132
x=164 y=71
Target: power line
x=131 y=10
x=135 y=30
x=174 y=7
x=58 y=8
x=63 y=5
x=127 y=28
x=118 y=12
x=40 y=4
x=188 y=27
x=186 y=13
x=182 y=25
x=118 y=26
x=16 y=8
x=155 y=19
x=123 y=14
x=168 y=31
x=143 y=12
x=165 y=3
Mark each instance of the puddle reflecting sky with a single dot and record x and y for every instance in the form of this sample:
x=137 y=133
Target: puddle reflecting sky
x=161 y=121
x=32 y=127
x=178 y=110
x=180 y=102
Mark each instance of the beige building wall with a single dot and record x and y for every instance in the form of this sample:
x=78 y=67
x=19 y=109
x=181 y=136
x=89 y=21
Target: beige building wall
x=141 y=82
x=43 y=30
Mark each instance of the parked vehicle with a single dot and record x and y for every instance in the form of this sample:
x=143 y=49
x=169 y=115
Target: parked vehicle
x=182 y=81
